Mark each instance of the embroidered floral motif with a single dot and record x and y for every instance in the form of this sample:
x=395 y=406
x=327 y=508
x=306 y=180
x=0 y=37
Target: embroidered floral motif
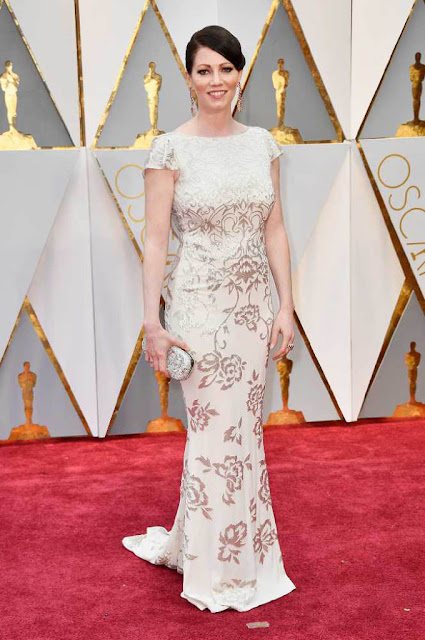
x=234 y=434
x=264 y=538
x=258 y=431
x=264 y=490
x=249 y=315
x=253 y=509
x=250 y=271
x=256 y=394
x=188 y=556
x=161 y=155
x=192 y=490
x=232 y=470
x=225 y=371
x=200 y=416
x=232 y=541
x=165 y=559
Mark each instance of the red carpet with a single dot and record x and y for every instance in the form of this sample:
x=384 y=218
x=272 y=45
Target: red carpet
x=349 y=505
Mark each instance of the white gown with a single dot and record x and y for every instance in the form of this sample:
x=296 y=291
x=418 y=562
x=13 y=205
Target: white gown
x=224 y=538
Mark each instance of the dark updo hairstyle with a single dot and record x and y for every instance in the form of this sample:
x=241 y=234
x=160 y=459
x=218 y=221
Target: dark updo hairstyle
x=218 y=39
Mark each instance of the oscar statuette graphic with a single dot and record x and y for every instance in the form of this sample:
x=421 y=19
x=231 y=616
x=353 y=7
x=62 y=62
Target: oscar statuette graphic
x=413 y=408
x=415 y=127
x=152 y=83
x=13 y=139
x=165 y=422
x=282 y=133
x=29 y=431
x=285 y=415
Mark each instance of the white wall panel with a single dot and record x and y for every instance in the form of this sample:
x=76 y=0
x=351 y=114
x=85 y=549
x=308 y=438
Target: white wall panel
x=118 y=295
x=107 y=27
x=327 y=28
x=321 y=286
x=376 y=28
x=307 y=173
x=376 y=279
x=33 y=185
x=62 y=296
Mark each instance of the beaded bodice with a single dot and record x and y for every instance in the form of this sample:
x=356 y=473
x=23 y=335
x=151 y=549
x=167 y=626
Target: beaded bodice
x=223 y=196
x=215 y=174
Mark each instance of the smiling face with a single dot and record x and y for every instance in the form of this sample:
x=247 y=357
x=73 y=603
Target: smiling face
x=214 y=80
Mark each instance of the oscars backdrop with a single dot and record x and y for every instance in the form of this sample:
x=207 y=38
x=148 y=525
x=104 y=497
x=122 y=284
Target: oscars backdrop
x=87 y=84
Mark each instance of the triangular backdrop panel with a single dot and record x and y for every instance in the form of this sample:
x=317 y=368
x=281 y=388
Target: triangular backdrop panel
x=307 y=391
x=321 y=287
x=392 y=105
x=103 y=46
x=32 y=185
x=49 y=28
x=61 y=292
x=391 y=385
x=376 y=278
x=316 y=166
x=36 y=111
x=129 y=115
x=304 y=107
x=52 y=406
x=397 y=165
x=327 y=28
x=118 y=293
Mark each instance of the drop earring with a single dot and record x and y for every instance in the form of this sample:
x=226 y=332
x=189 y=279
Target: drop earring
x=239 y=102
x=192 y=104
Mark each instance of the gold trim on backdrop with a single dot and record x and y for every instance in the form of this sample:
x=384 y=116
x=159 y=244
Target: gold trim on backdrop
x=404 y=262
x=403 y=299
x=384 y=74
x=80 y=74
x=128 y=53
x=15 y=20
x=127 y=378
x=170 y=41
x=15 y=326
x=313 y=68
x=46 y=344
x=318 y=367
x=296 y=26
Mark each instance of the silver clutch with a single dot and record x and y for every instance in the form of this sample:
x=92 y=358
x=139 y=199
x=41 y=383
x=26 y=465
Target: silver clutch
x=179 y=362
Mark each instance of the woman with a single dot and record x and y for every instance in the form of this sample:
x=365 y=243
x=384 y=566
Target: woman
x=218 y=181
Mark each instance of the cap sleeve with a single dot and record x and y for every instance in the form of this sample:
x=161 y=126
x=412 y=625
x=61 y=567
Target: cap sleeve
x=274 y=149
x=161 y=154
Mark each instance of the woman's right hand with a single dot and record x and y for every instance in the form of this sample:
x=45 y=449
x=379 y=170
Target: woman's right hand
x=158 y=341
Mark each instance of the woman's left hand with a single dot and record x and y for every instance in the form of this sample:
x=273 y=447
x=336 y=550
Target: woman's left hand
x=283 y=323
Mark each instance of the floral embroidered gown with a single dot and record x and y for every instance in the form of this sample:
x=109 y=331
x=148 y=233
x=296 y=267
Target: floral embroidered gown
x=224 y=538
